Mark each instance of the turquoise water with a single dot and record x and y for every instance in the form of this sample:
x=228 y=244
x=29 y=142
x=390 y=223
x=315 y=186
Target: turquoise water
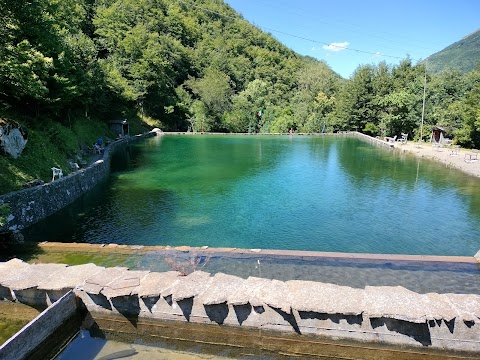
x=324 y=193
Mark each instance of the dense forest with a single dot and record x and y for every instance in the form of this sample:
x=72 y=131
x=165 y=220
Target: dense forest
x=462 y=55
x=198 y=65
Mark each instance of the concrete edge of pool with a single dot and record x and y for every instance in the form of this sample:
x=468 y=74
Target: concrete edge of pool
x=300 y=313
x=53 y=246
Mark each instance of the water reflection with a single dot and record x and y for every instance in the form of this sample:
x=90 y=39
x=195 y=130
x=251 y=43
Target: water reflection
x=312 y=193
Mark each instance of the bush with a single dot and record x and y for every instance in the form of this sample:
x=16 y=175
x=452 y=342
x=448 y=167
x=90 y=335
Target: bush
x=371 y=129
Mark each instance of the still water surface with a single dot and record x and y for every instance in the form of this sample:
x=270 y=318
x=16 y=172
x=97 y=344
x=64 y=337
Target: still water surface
x=323 y=193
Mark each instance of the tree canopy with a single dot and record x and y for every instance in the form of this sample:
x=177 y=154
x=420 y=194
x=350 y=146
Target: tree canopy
x=199 y=65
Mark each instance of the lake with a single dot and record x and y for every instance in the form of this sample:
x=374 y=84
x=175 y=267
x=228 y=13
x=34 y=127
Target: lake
x=321 y=193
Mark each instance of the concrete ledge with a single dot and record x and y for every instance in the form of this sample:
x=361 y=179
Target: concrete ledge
x=132 y=249
x=377 y=314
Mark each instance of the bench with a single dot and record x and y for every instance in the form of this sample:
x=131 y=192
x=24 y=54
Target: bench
x=57 y=172
x=471 y=157
x=403 y=139
x=453 y=150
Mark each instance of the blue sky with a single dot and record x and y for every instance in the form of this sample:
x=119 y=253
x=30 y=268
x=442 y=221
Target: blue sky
x=346 y=34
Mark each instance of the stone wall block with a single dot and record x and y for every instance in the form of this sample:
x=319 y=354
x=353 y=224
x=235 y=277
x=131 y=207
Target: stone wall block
x=189 y=286
x=247 y=291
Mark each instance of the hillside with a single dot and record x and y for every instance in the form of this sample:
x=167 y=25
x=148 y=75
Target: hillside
x=67 y=68
x=195 y=64
x=463 y=55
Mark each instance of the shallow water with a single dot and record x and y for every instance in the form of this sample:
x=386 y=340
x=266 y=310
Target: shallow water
x=323 y=193
x=13 y=317
x=87 y=347
x=8 y=329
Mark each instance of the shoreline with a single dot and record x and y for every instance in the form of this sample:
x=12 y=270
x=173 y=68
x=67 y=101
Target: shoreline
x=464 y=160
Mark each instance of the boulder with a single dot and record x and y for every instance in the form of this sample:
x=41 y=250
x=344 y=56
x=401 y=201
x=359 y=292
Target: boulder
x=12 y=140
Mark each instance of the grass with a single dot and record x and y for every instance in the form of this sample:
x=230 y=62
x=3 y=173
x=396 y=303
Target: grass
x=51 y=144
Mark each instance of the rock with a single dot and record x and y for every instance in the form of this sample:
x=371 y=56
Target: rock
x=12 y=141
x=467 y=306
x=31 y=276
x=10 y=268
x=18 y=237
x=124 y=285
x=96 y=283
x=438 y=307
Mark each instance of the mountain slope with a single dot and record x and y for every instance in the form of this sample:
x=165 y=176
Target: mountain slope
x=463 y=55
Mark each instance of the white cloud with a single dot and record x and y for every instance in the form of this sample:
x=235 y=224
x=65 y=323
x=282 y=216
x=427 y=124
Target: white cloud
x=377 y=54
x=336 y=46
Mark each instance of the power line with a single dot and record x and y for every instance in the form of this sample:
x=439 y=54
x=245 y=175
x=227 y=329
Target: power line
x=311 y=14
x=291 y=35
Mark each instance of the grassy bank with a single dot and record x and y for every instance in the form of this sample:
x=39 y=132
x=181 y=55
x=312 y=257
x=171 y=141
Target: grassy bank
x=51 y=144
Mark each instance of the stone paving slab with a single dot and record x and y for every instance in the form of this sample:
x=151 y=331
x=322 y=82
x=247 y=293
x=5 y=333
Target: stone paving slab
x=245 y=293
x=325 y=298
x=275 y=294
x=70 y=277
x=467 y=306
x=438 y=307
x=11 y=267
x=155 y=284
x=189 y=286
x=220 y=288
x=96 y=283
x=31 y=276
x=124 y=285
x=394 y=302
x=375 y=301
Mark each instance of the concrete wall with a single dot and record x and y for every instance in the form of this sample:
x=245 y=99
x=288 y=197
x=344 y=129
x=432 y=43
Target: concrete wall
x=388 y=315
x=373 y=141
x=39 y=329
x=31 y=205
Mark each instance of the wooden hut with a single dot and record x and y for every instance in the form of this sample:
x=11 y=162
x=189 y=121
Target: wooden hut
x=119 y=127
x=437 y=135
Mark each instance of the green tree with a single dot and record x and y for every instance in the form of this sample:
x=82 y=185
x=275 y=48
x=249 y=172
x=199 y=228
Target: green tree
x=469 y=134
x=214 y=91
x=245 y=107
x=355 y=105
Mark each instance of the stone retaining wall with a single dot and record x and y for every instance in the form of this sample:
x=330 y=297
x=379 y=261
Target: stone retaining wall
x=31 y=205
x=375 y=314
x=373 y=141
